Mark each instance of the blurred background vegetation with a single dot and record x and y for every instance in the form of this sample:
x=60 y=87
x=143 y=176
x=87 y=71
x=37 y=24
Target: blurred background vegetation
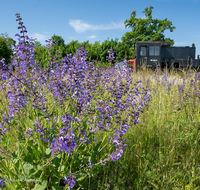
x=146 y=29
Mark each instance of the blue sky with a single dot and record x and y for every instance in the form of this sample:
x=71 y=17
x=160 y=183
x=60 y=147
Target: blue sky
x=98 y=20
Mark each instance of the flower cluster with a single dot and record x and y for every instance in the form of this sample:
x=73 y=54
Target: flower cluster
x=70 y=180
x=2 y=182
x=80 y=85
x=111 y=54
x=65 y=141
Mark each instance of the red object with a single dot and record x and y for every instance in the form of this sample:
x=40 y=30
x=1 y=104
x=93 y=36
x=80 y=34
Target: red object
x=133 y=62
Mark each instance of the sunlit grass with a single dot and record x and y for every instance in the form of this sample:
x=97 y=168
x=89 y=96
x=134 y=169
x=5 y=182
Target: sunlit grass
x=163 y=149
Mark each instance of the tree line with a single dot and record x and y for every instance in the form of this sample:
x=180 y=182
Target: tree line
x=146 y=29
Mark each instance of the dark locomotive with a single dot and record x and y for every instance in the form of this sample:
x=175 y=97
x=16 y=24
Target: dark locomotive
x=159 y=54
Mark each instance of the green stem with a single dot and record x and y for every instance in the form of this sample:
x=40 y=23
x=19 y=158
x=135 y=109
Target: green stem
x=43 y=166
x=60 y=168
x=6 y=169
x=39 y=179
x=20 y=160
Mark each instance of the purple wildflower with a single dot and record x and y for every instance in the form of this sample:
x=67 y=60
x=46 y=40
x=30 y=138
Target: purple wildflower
x=2 y=182
x=111 y=54
x=65 y=142
x=70 y=180
x=90 y=164
x=4 y=130
x=30 y=131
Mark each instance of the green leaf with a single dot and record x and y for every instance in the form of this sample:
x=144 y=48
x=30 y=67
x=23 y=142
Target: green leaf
x=97 y=147
x=61 y=168
x=30 y=149
x=48 y=153
x=135 y=154
x=28 y=159
x=42 y=185
x=16 y=165
x=27 y=168
x=54 y=185
x=36 y=153
x=81 y=175
x=14 y=156
x=56 y=162
x=96 y=170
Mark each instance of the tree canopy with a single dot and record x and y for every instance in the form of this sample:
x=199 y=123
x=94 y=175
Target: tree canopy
x=6 y=47
x=58 y=40
x=146 y=29
x=9 y=41
x=143 y=29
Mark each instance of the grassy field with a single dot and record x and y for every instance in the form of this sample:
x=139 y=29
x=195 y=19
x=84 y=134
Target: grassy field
x=162 y=150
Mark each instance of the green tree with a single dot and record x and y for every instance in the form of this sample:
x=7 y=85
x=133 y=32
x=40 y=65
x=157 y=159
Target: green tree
x=41 y=54
x=58 y=45
x=106 y=46
x=72 y=47
x=58 y=40
x=6 y=47
x=5 y=51
x=146 y=29
x=9 y=41
x=97 y=49
x=121 y=51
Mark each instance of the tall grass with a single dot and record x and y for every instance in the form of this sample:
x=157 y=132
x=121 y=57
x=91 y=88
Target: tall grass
x=163 y=149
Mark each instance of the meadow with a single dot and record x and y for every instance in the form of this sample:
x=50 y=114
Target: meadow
x=74 y=125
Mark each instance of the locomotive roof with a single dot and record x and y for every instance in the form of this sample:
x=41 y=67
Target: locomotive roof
x=155 y=42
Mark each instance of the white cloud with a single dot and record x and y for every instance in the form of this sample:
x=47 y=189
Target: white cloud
x=81 y=26
x=180 y=43
x=40 y=37
x=91 y=37
x=142 y=17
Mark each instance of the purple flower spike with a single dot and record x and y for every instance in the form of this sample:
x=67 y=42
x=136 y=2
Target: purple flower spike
x=2 y=182
x=111 y=55
x=70 y=180
x=17 y=35
x=54 y=145
x=90 y=164
x=4 y=130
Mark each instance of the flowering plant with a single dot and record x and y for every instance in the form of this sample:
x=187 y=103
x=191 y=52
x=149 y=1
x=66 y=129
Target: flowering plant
x=69 y=119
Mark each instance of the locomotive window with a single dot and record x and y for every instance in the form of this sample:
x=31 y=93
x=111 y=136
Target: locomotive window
x=154 y=50
x=143 y=51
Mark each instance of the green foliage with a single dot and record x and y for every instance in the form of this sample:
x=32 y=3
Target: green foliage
x=9 y=41
x=5 y=52
x=6 y=45
x=146 y=29
x=72 y=47
x=124 y=51
x=41 y=55
x=96 y=52
x=58 y=46
x=58 y=40
x=142 y=30
x=31 y=164
x=118 y=47
x=97 y=49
